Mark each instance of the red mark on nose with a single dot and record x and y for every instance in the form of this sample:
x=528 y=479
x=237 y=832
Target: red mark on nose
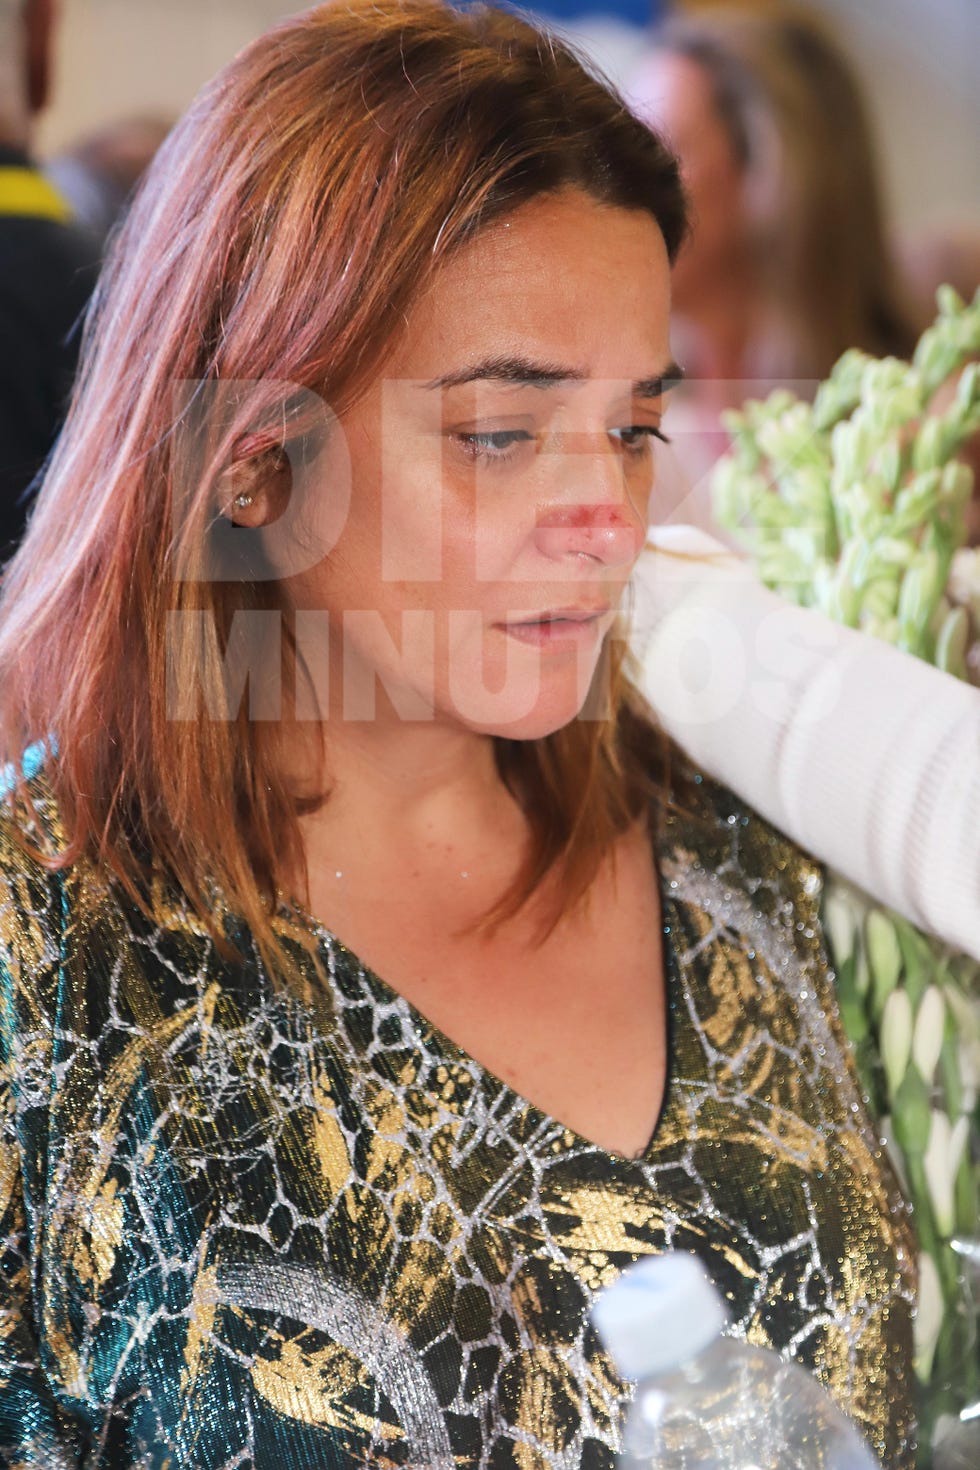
x=586 y=518
x=609 y=533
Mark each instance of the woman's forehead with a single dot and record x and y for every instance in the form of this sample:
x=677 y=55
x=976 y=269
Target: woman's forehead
x=564 y=280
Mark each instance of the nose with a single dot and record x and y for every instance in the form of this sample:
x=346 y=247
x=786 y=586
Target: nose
x=610 y=534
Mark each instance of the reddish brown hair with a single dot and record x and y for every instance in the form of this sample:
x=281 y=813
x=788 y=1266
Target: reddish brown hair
x=279 y=238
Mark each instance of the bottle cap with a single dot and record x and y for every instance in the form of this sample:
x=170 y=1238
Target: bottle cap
x=660 y=1313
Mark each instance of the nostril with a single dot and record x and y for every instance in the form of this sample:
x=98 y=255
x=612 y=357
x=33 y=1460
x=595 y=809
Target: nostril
x=608 y=533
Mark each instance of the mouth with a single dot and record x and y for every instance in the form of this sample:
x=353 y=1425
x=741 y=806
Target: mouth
x=579 y=625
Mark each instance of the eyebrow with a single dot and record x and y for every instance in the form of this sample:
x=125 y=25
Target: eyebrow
x=524 y=373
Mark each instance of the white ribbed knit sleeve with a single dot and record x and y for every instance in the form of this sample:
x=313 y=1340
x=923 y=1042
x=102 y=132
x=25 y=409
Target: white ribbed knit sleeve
x=864 y=755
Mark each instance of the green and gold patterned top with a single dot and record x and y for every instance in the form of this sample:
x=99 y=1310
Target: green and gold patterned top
x=243 y=1228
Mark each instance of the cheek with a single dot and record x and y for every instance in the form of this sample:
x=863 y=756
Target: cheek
x=481 y=545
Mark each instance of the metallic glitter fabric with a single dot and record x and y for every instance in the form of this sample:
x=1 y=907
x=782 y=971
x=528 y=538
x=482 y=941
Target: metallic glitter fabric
x=243 y=1228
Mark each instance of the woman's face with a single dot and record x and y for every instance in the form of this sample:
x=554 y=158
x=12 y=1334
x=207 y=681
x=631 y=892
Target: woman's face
x=500 y=476
x=674 y=94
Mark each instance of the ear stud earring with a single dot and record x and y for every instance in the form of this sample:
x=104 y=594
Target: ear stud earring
x=244 y=500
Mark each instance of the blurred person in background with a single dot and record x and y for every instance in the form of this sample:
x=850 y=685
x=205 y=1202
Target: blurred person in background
x=788 y=262
x=98 y=173
x=48 y=265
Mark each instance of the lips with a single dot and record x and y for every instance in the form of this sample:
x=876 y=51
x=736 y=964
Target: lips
x=559 y=625
x=564 y=614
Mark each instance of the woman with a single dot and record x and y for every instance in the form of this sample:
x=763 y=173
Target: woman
x=341 y=1189
x=788 y=262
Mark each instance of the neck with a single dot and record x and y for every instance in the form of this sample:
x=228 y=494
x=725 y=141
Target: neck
x=403 y=786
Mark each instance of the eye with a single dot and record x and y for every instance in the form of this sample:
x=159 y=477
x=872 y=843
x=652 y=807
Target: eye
x=492 y=444
x=635 y=438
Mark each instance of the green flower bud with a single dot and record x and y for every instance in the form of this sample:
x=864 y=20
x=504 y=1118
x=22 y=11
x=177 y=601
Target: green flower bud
x=935 y=358
x=880 y=602
x=968 y=388
x=728 y=497
x=952 y=643
x=890 y=465
x=807 y=489
x=895 y=408
x=929 y=452
x=911 y=1113
x=884 y=955
x=891 y=552
x=841 y=392
x=949 y=301
x=916 y=502
x=884 y=628
x=781 y=564
x=956 y=484
x=922 y=587
x=918 y=958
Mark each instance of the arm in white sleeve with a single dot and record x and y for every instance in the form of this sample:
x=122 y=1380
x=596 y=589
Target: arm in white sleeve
x=867 y=757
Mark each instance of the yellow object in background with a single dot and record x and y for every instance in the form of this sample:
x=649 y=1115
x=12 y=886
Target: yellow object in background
x=27 y=193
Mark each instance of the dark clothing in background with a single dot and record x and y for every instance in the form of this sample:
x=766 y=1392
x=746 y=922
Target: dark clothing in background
x=47 y=271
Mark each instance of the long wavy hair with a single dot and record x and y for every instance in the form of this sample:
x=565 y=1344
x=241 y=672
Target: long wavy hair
x=266 y=267
x=792 y=106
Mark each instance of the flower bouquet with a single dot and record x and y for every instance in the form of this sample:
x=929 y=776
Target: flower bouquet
x=855 y=504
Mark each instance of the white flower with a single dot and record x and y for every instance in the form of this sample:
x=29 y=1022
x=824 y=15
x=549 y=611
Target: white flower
x=941 y=1162
x=841 y=921
x=896 y=1038
x=928 y=1316
x=968 y=1059
x=927 y=1036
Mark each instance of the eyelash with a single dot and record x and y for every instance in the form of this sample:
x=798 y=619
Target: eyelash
x=488 y=446
x=646 y=431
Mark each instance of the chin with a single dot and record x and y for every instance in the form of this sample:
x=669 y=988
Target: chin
x=554 y=706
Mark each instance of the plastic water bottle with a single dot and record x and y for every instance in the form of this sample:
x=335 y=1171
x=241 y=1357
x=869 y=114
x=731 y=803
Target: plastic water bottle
x=708 y=1402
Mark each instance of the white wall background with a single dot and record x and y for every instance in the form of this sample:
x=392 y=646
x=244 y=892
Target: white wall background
x=117 y=57
x=920 y=60
x=920 y=63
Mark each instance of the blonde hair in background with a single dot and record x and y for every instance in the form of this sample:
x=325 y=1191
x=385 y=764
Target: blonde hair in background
x=793 y=108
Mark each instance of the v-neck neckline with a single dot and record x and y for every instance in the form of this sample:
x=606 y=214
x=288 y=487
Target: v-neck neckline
x=330 y=945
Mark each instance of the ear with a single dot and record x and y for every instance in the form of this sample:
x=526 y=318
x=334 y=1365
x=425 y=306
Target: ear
x=254 y=492
x=39 y=23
